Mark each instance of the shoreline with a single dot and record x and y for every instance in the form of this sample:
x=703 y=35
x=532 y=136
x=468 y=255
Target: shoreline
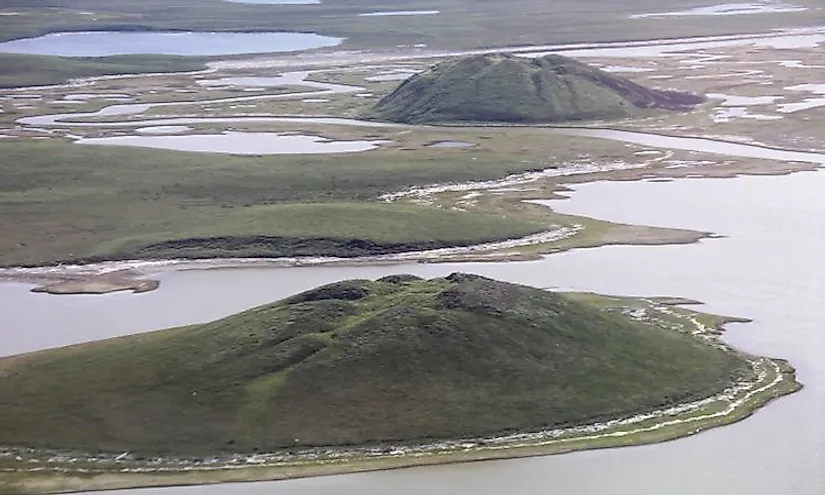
x=70 y=280
x=135 y=275
x=769 y=379
x=107 y=277
x=129 y=275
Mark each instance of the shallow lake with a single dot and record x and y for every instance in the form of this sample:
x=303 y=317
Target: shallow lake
x=696 y=144
x=103 y=43
x=392 y=13
x=802 y=38
x=767 y=268
x=452 y=144
x=238 y=143
x=277 y=2
x=727 y=9
x=163 y=129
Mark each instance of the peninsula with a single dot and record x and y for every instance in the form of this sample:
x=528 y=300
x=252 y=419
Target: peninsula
x=462 y=365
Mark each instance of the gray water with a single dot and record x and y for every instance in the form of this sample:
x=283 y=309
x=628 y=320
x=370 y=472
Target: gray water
x=452 y=144
x=697 y=144
x=677 y=47
x=277 y=2
x=103 y=43
x=667 y=142
x=239 y=143
x=768 y=268
x=288 y=78
x=392 y=13
x=728 y=9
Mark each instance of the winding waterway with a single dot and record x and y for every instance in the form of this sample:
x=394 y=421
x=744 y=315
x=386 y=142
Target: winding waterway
x=668 y=142
x=767 y=267
x=286 y=79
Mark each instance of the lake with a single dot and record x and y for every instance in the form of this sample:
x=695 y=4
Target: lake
x=192 y=43
x=728 y=9
x=238 y=143
x=767 y=268
x=277 y=2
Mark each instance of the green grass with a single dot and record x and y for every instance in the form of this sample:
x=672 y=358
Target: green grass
x=357 y=362
x=517 y=22
x=46 y=482
x=30 y=70
x=488 y=24
x=311 y=229
x=63 y=202
x=510 y=88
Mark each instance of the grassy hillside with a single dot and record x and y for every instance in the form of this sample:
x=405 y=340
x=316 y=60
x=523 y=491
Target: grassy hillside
x=313 y=229
x=508 y=88
x=29 y=70
x=357 y=362
x=73 y=202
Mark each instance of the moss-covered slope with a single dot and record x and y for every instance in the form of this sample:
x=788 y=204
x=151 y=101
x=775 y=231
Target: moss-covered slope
x=356 y=362
x=509 y=88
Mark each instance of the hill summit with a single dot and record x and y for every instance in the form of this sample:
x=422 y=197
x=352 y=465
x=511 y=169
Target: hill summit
x=357 y=362
x=508 y=88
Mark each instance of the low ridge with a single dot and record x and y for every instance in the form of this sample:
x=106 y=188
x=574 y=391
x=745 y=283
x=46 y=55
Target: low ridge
x=354 y=363
x=509 y=88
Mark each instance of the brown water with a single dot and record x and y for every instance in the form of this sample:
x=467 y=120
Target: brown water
x=768 y=268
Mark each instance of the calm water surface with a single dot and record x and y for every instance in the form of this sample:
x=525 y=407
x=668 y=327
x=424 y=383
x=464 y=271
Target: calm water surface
x=768 y=268
x=727 y=9
x=104 y=43
x=238 y=143
x=277 y=2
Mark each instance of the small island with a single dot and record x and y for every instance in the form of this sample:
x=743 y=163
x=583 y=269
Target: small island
x=359 y=375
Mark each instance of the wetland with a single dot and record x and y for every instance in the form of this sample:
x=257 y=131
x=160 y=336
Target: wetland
x=511 y=202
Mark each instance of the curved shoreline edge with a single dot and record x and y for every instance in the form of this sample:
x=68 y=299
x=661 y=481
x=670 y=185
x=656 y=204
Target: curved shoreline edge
x=103 y=277
x=771 y=378
x=68 y=482
x=128 y=275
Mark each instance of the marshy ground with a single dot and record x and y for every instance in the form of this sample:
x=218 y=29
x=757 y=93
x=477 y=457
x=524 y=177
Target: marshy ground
x=70 y=202
x=65 y=202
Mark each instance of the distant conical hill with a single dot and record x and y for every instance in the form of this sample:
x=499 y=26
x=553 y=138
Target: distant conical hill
x=357 y=362
x=509 y=88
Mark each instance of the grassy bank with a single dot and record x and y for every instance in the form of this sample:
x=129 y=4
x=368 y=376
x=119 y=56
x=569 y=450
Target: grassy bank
x=320 y=229
x=356 y=363
x=33 y=70
x=54 y=482
x=771 y=379
x=64 y=202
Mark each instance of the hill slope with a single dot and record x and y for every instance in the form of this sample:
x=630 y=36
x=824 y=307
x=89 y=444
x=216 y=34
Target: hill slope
x=508 y=88
x=356 y=362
